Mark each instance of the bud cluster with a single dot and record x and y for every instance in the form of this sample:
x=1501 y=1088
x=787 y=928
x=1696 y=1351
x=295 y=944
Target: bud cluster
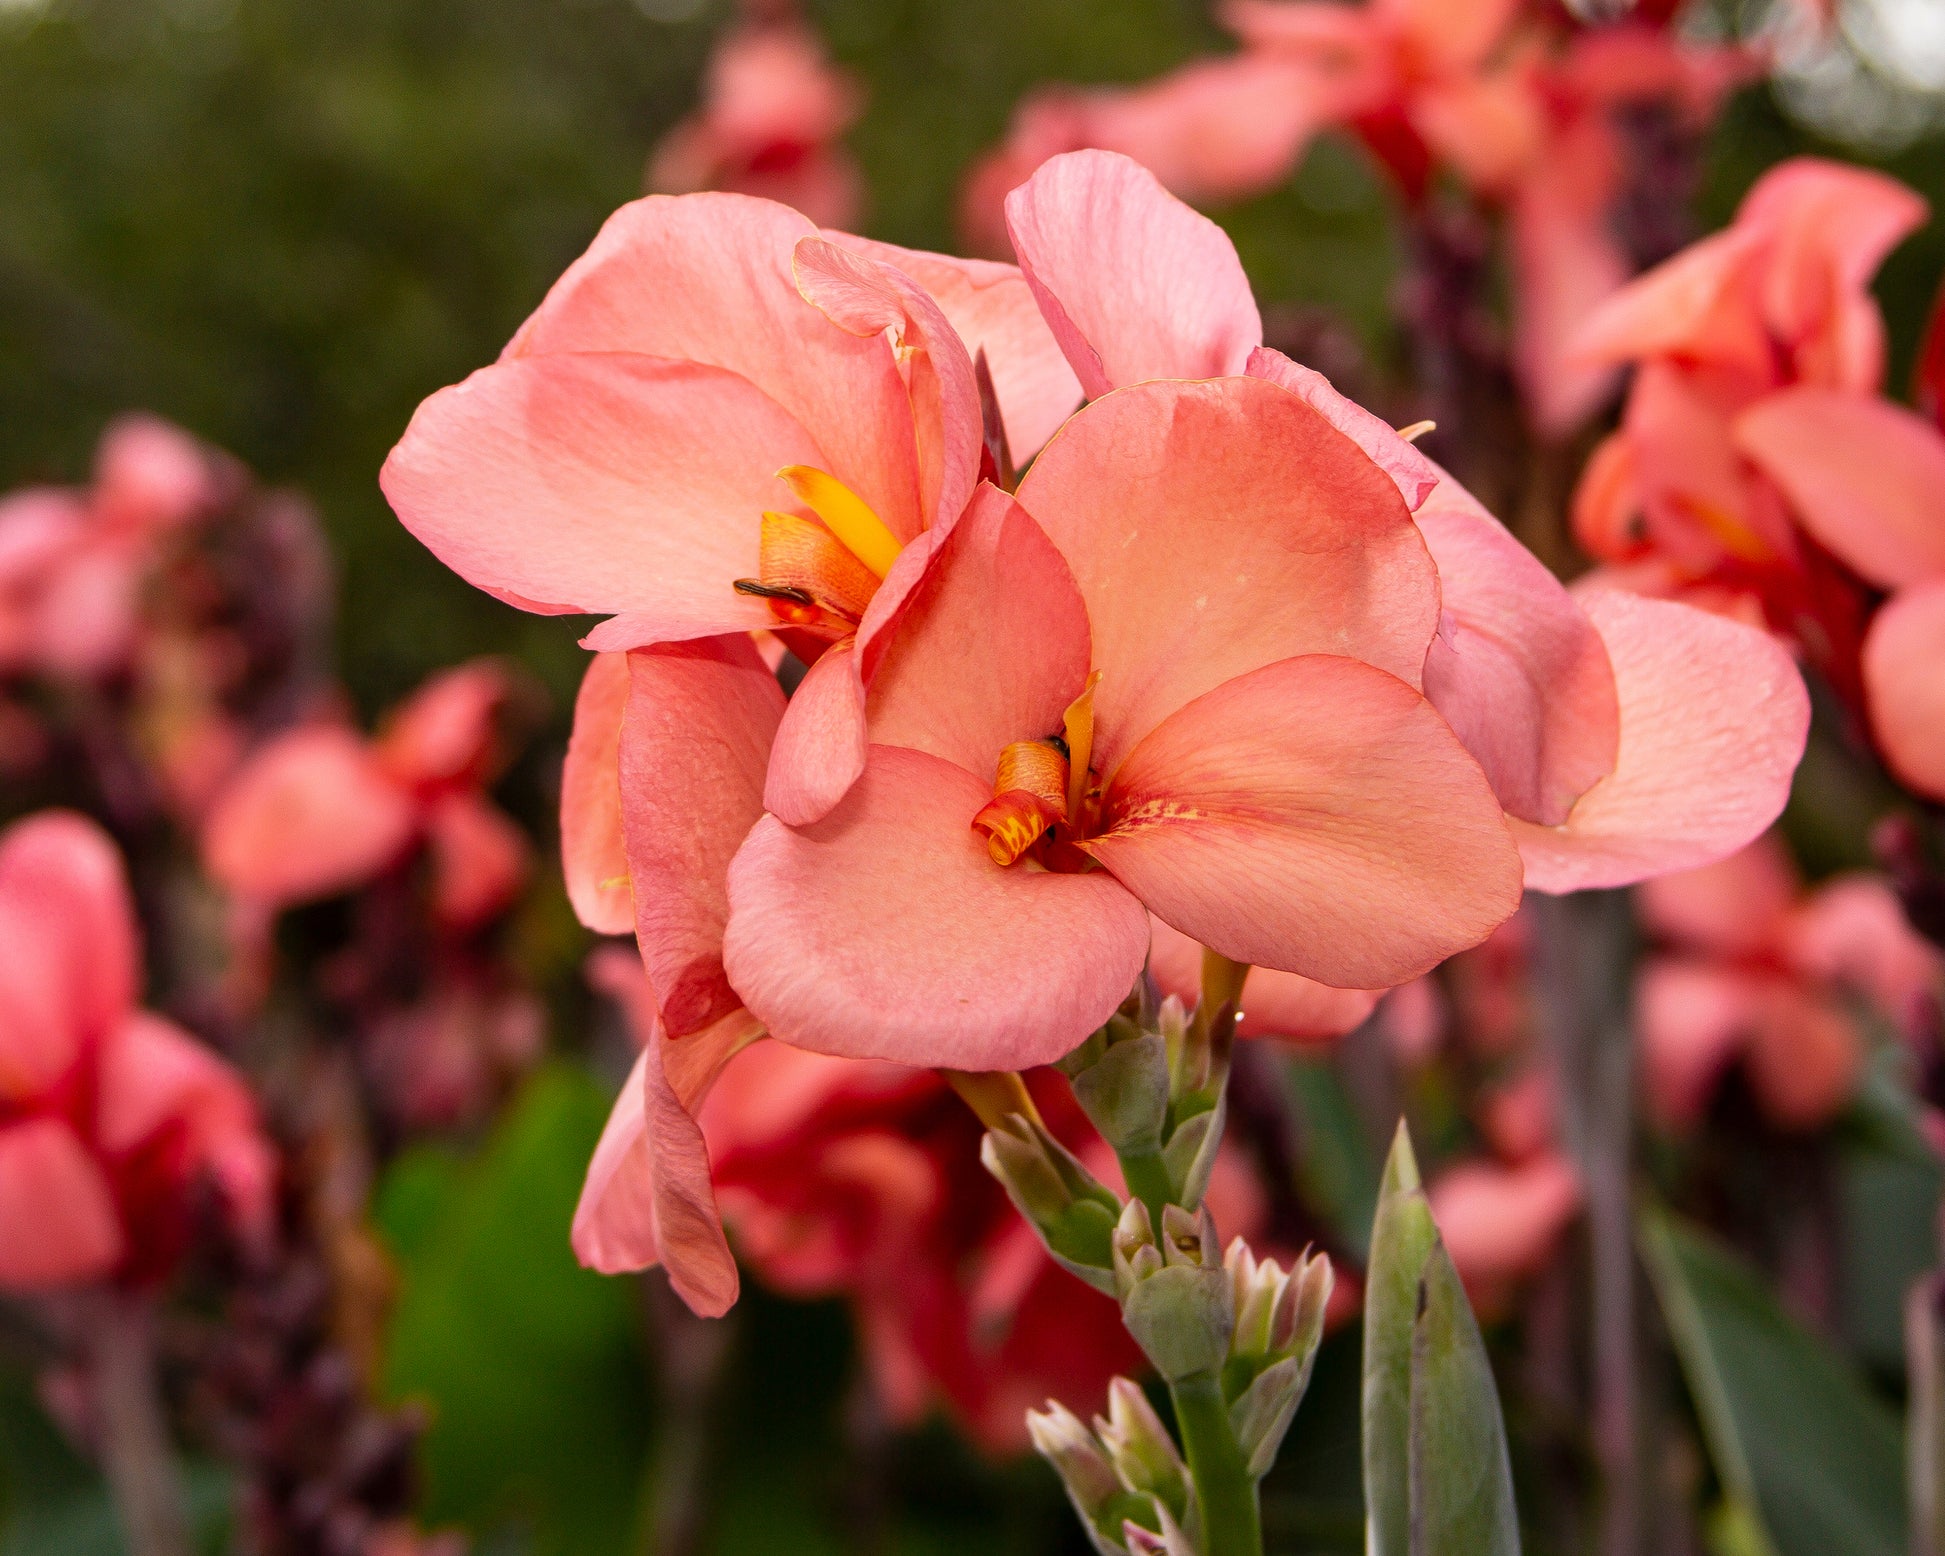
x=1125 y=1476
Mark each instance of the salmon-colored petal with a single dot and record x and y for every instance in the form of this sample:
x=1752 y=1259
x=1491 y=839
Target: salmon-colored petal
x=71 y=959
x=695 y=742
x=1517 y=669
x=1451 y=37
x=991 y=307
x=1853 y=933
x=820 y=744
x=480 y=860
x=1701 y=503
x=1134 y=284
x=1315 y=816
x=1904 y=679
x=1735 y=907
x=446 y=731
x=1500 y=1224
x=1804 y=1058
x=601 y=482
x=594 y=858
x=1413 y=473
x=707 y=278
x=1692 y=1018
x=1713 y=721
x=311 y=814
x=993 y=647
x=58 y=1224
x=1488 y=127
x=151 y=475
x=886 y=931
x=1214 y=528
x=1280 y=1005
x=1699 y=306
x=1864 y=476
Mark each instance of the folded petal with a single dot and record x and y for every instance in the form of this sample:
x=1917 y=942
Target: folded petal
x=886 y=931
x=1517 y=669
x=311 y=814
x=1699 y=306
x=71 y=960
x=1414 y=474
x=1315 y=816
x=1713 y=721
x=1279 y=1005
x=707 y=278
x=1904 y=679
x=601 y=482
x=819 y=748
x=695 y=742
x=1214 y=528
x=594 y=858
x=1864 y=476
x=991 y=307
x=993 y=645
x=58 y=1224
x=1134 y=284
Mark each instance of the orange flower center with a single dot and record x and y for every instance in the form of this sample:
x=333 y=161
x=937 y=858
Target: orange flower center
x=820 y=573
x=1043 y=785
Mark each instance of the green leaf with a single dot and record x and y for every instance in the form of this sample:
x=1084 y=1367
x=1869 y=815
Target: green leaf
x=1402 y=1234
x=532 y=1367
x=1795 y=1436
x=1461 y=1475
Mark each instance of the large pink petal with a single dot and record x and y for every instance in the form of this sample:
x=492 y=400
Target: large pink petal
x=1699 y=306
x=1315 y=816
x=58 y=1224
x=695 y=742
x=1414 y=474
x=69 y=957
x=991 y=307
x=1517 y=669
x=601 y=483
x=1864 y=476
x=1904 y=678
x=594 y=857
x=707 y=278
x=311 y=814
x=819 y=748
x=1134 y=283
x=1279 y=1005
x=1215 y=528
x=886 y=931
x=993 y=646
x=1713 y=720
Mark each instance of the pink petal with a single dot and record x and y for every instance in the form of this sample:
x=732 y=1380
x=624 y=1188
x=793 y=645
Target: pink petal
x=1134 y=284
x=992 y=309
x=58 y=1224
x=1414 y=474
x=1215 y=528
x=1698 y=305
x=1275 y=1004
x=820 y=744
x=1713 y=721
x=594 y=858
x=707 y=278
x=873 y=299
x=1693 y=1018
x=150 y=474
x=886 y=931
x=1500 y=1224
x=309 y=815
x=480 y=860
x=1315 y=816
x=1735 y=907
x=601 y=482
x=993 y=646
x=446 y=731
x=1904 y=678
x=694 y=745
x=1517 y=669
x=1864 y=476
x=1853 y=933
x=1804 y=1057
x=71 y=962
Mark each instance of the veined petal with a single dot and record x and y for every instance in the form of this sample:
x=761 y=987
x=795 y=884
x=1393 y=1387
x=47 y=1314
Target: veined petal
x=1904 y=678
x=1713 y=721
x=1134 y=284
x=886 y=932
x=695 y=743
x=1414 y=474
x=1214 y=528
x=594 y=858
x=1315 y=816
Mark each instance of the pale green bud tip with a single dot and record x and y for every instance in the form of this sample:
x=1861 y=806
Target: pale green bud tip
x=1062 y=1438
x=1190 y=1238
x=1146 y=1542
x=1144 y=1454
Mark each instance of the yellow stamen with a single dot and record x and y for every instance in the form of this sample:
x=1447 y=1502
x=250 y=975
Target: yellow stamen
x=1417 y=430
x=846 y=514
x=1078 y=721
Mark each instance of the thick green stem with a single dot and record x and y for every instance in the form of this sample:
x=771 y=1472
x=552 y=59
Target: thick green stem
x=1146 y=1175
x=1225 y=1491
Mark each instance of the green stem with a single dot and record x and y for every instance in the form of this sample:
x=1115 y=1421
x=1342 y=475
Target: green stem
x=1225 y=1491
x=1146 y=1175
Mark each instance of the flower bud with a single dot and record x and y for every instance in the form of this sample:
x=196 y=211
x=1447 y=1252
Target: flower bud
x=1279 y=1322
x=1175 y=1296
x=1171 y=1541
x=1073 y=1211
x=1112 y=1487
x=1144 y=1455
x=1125 y=1092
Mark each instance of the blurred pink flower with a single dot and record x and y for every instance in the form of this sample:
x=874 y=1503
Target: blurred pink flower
x=772 y=112
x=110 y=1116
x=1502 y=1223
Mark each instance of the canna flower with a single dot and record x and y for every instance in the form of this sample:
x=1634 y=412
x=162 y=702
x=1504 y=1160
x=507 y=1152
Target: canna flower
x=722 y=420
x=110 y=1116
x=772 y=115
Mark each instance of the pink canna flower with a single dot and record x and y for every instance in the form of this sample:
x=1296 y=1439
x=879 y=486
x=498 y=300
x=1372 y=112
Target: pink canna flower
x=770 y=123
x=110 y=1116
x=1502 y=1223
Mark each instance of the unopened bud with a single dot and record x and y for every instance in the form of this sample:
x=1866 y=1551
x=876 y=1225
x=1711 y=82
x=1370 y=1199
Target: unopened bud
x=1063 y=1440
x=1189 y=1238
x=1144 y=1455
x=1170 y=1541
x=1124 y=1092
x=1073 y=1211
x=1175 y=1298
x=1280 y=1320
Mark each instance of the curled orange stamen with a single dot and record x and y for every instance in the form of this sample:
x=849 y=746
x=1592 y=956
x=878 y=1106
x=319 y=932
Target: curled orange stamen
x=809 y=577
x=1029 y=796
